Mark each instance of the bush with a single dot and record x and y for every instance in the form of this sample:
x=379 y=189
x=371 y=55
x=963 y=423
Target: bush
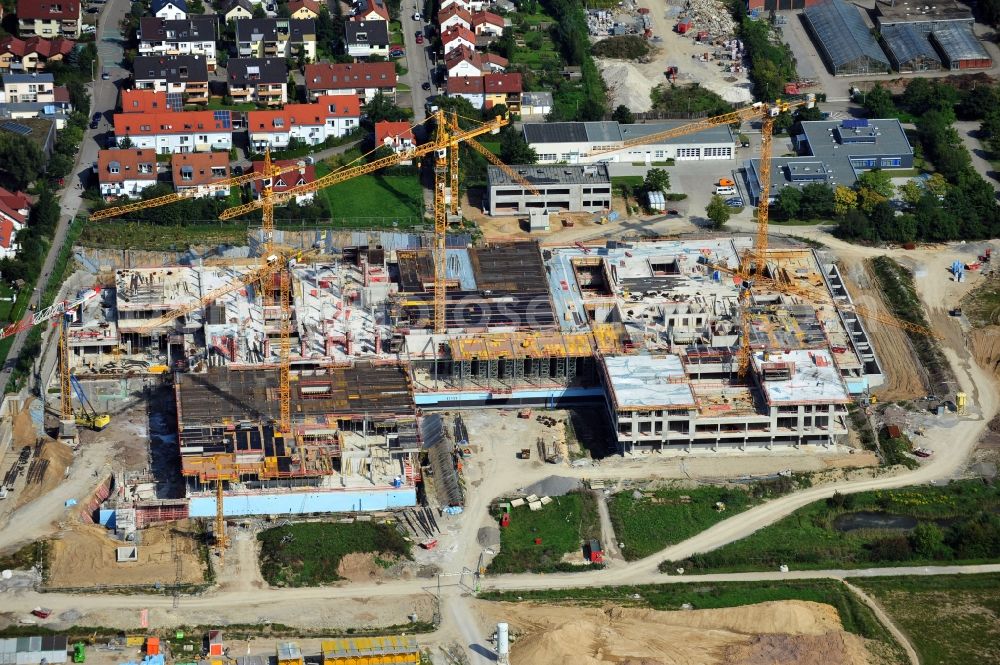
x=690 y=99
x=626 y=47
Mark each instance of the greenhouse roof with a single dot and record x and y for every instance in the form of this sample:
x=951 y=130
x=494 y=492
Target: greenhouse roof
x=843 y=32
x=959 y=43
x=907 y=43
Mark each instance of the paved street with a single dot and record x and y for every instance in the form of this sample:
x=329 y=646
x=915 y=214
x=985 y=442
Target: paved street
x=418 y=59
x=104 y=96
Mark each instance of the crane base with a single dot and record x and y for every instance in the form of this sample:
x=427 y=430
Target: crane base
x=67 y=429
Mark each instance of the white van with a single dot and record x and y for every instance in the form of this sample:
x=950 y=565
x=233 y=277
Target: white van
x=725 y=191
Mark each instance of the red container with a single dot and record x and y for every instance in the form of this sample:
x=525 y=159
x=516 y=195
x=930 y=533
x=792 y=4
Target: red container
x=152 y=646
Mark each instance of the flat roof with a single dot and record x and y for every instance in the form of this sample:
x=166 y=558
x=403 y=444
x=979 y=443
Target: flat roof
x=611 y=131
x=551 y=175
x=911 y=11
x=813 y=377
x=647 y=382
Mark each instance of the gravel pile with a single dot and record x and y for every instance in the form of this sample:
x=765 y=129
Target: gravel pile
x=553 y=486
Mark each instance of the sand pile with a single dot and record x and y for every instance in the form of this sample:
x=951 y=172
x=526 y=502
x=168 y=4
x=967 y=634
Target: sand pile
x=627 y=85
x=776 y=632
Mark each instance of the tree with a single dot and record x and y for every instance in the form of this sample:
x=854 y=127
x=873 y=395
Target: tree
x=910 y=192
x=125 y=142
x=718 y=212
x=890 y=548
x=623 y=115
x=854 y=225
x=989 y=11
x=817 y=201
x=990 y=129
x=656 y=179
x=514 y=149
x=868 y=198
x=21 y=159
x=937 y=185
x=326 y=32
x=293 y=90
x=788 y=203
x=878 y=103
x=927 y=541
x=878 y=180
x=258 y=11
x=381 y=108
x=845 y=199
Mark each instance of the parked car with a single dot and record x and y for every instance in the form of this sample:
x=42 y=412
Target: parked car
x=923 y=452
x=95 y=120
x=734 y=203
x=425 y=85
x=420 y=38
x=673 y=213
x=93 y=10
x=417 y=16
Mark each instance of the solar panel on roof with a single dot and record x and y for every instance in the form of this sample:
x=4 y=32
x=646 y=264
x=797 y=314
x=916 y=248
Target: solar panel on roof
x=224 y=117
x=175 y=101
x=16 y=128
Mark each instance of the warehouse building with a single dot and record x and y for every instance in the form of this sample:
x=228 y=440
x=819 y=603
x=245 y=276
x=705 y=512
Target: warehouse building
x=959 y=48
x=909 y=49
x=610 y=141
x=834 y=152
x=844 y=40
x=560 y=189
x=922 y=16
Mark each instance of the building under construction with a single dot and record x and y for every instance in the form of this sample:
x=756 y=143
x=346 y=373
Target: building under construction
x=649 y=329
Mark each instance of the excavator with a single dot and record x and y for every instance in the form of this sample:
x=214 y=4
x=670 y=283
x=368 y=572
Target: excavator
x=88 y=416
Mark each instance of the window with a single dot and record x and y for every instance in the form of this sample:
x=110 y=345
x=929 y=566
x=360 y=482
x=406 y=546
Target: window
x=187 y=173
x=114 y=167
x=547 y=157
x=891 y=161
x=566 y=156
x=203 y=138
x=688 y=153
x=868 y=163
x=145 y=168
x=659 y=154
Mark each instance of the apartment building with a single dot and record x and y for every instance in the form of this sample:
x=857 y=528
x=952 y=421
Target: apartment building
x=238 y=10
x=185 y=76
x=49 y=18
x=197 y=173
x=14 y=210
x=362 y=79
x=305 y=174
x=454 y=15
x=503 y=89
x=331 y=116
x=22 y=88
x=456 y=36
x=125 y=171
x=172 y=132
x=145 y=101
x=191 y=36
x=170 y=10
x=371 y=10
x=367 y=38
x=32 y=54
x=304 y=9
x=258 y=80
x=463 y=61
x=487 y=23
x=276 y=38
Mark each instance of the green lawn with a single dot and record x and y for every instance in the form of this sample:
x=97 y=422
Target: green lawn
x=308 y=554
x=562 y=526
x=854 y=615
x=215 y=104
x=957 y=523
x=661 y=518
x=117 y=234
x=949 y=619
x=389 y=197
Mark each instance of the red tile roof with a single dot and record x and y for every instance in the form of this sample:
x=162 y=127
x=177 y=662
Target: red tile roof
x=45 y=48
x=458 y=32
x=60 y=94
x=502 y=83
x=343 y=76
x=393 y=130
x=144 y=101
x=460 y=53
x=455 y=10
x=47 y=10
x=6 y=232
x=495 y=59
x=286 y=181
x=487 y=17
x=376 y=6
x=311 y=5
x=201 y=165
x=467 y=85
x=326 y=106
x=128 y=160
x=14 y=205
x=171 y=122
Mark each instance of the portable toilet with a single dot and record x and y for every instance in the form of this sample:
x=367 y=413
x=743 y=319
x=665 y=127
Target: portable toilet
x=215 y=647
x=152 y=646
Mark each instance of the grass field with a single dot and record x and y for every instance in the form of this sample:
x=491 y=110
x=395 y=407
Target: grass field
x=957 y=523
x=854 y=615
x=647 y=525
x=562 y=526
x=153 y=237
x=308 y=554
x=949 y=620
x=376 y=195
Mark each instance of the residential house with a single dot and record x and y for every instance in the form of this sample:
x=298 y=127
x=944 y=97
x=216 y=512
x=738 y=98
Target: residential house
x=397 y=136
x=463 y=61
x=367 y=38
x=14 y=210
x=371 y=10
x=456 y=36
x=171 y=132
x=170 y=10
x=258 y=80
x=49 y=18
x=503 y=89
x=487 y=23
x=454 y=15
x=19 y=88
x=196 y=173
x=304 y=9
x=125 y=171
x=193 y=36
x=146 y=101
x=276 y=38
x=331 y=116
x=305 y=174
x=468 y=5
x=238 y=9
x=182 y=75
x=470 y=88
x=32 y=54
x=362 y=79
